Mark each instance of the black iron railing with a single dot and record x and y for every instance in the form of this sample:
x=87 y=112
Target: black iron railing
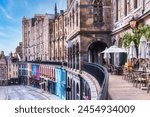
x=101 y=75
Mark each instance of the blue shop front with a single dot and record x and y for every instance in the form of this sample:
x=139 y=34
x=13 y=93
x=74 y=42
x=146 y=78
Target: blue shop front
x=61 y=82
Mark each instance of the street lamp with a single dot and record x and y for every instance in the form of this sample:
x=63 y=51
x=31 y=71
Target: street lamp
x=133 y=23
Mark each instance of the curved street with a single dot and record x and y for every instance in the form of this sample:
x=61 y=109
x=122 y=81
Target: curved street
x=20 y=92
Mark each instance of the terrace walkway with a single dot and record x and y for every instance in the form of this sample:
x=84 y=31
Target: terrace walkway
x=120 y=89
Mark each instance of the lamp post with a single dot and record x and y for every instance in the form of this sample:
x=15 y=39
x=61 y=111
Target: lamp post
x=133 y=23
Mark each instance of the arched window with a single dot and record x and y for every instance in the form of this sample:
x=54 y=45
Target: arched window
x=98 y=11
x=135 y=4
x=125 y=7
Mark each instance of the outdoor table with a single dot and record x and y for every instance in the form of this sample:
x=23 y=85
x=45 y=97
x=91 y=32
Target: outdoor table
x=142 y=71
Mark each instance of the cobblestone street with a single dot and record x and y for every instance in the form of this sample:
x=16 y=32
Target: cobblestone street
x=24 y=93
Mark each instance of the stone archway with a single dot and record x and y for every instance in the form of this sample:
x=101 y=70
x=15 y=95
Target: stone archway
x=94 y=52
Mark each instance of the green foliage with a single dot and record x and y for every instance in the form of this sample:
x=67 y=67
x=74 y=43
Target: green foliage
x=145 y=30
x=138 y=32
x=126 y=40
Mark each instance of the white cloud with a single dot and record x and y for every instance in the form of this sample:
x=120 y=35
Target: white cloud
x=2 y=34
x=5 y=13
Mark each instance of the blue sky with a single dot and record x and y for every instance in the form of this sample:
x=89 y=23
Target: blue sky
x=11 y=13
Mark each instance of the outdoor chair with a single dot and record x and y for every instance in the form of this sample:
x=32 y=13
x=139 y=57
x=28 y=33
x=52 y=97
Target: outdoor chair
x=130 y=75
x=141 y=79
x=148 y=83
x=135 y=78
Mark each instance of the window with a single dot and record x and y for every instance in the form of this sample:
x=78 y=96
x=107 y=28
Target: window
x=116 y=10
x=70 y=20
x=129 y=6
x=135 y=4
x=77 y=14
x=73 y=17
x=125 y=8
x=65 y=21
x=98 y=11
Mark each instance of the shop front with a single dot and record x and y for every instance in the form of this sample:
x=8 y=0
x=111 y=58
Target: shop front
x=47 y=75
x=35 y=76
x=61 y=82
x=51 y=80
x=51 y=87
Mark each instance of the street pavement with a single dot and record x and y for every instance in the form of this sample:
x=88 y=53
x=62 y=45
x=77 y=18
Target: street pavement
x=20 y=92
x=120 y=89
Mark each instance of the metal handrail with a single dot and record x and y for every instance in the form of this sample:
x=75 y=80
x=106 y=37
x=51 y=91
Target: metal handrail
x=101 y=75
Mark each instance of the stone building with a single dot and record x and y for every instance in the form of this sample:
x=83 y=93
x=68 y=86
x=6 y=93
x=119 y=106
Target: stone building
x=83 y=35
x=12 y=61
x=80 y=33
x=3 y=69
x=23 y=73
x=58 y=45
x=36 y=34
x=19 y=50
x=88 y=31
x=122 y=13
x=76 y=36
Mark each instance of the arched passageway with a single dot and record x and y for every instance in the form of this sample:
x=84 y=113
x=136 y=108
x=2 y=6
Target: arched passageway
x=94 y=52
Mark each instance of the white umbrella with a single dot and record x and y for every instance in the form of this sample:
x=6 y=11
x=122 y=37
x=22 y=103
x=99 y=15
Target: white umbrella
x=114 y=49
x=147 y=52
x=107 y=56
x=142 y=48
x=132 y=51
